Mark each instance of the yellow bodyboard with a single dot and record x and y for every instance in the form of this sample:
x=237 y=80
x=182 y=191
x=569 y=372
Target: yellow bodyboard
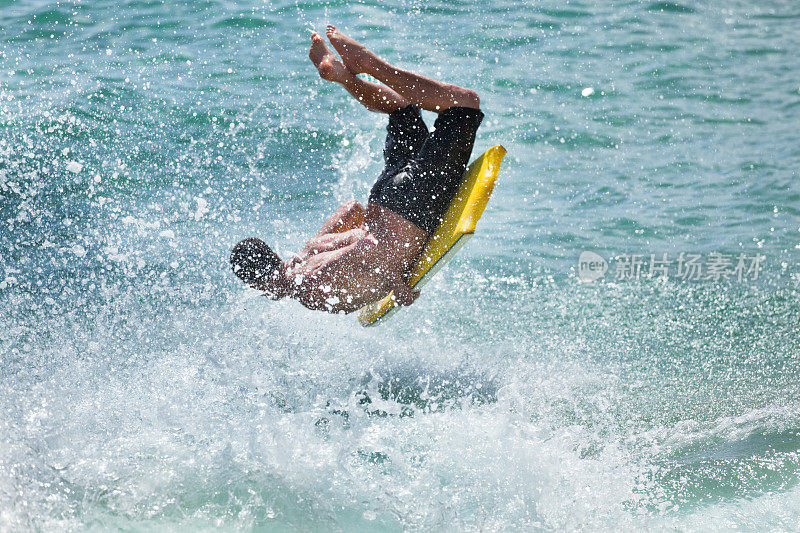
x=457 y=226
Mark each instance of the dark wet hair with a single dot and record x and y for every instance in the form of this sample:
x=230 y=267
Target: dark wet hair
x=253 y=261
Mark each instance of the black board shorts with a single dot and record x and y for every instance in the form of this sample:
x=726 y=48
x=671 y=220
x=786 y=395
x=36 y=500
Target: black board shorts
x=423 y=169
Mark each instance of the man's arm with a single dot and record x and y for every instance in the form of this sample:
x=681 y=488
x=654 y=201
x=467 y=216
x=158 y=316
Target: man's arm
x=332 y=241
x=341 y=229
x=349 y=215
x=327 y=242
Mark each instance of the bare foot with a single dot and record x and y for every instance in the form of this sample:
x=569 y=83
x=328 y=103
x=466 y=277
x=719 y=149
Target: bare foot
x=355 y=55
x=329 y=67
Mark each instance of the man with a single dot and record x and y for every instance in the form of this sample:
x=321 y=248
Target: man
x=360 y=254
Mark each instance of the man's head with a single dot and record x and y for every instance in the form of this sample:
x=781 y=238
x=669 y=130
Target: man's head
x=257 y=265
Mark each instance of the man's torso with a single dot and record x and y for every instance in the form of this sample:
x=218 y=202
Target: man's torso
x=358 y=274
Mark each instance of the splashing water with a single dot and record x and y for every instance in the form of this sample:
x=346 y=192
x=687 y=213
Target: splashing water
x=143 y=387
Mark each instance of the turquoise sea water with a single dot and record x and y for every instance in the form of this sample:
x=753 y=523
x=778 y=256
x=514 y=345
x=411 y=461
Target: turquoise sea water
x=143 y=388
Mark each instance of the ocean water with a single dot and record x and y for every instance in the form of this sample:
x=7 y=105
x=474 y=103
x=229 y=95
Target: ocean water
x=142 y=387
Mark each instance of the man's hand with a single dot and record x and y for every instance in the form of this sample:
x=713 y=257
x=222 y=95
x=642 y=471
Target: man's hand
x=401 y=294
x=333 y=241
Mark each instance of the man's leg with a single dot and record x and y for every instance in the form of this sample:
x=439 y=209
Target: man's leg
x=373 y=96
x=429 y=94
